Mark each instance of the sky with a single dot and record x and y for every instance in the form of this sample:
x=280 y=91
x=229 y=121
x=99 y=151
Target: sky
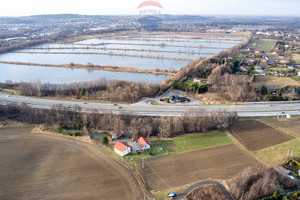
x=121 y=7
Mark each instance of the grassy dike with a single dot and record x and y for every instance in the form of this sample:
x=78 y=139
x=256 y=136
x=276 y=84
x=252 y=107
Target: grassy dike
x=97 y=67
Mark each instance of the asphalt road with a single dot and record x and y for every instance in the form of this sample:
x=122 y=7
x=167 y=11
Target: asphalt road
x=221 y=186
x=146 y=109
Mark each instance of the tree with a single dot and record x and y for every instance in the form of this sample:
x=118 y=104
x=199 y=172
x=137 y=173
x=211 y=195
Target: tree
x=104 y=141
x=82 y=92
x=264 y=90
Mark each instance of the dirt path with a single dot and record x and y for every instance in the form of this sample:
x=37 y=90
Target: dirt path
x=50 y=167
x=220 y=185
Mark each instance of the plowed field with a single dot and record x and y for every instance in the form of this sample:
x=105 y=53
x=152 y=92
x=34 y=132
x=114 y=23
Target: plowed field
x=177 y=170
x=49 y=167
x=291 y=125
x=255 y=135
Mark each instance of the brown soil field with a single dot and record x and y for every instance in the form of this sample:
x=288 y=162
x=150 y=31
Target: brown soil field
x=48 y=167
x=275 y=82
x=255 y=135
x=186 y=168
x=291 y=125
x=208 y=192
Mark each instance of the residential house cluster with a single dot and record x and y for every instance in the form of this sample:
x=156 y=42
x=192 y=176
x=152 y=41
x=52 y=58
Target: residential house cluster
x=123 y=148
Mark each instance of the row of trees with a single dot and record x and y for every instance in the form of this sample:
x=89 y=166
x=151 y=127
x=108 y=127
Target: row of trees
x=101 y=90
x=195 y=120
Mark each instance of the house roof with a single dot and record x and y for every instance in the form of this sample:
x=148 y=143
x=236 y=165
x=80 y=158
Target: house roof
x=143 y=141
x=121 y=146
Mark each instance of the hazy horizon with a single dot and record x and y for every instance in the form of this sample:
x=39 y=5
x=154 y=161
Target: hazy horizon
x=15 y=8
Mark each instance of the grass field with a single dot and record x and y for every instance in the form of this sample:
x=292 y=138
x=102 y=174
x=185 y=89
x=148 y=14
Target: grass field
x=52 y=167
x=277 y=154
x=255 y=135
x=176 y=170
x=191 y=82
x=296 y=58
x=296 y=77
x=180 y=145
x=196 y=142
x=275 y=82
x=263 y=45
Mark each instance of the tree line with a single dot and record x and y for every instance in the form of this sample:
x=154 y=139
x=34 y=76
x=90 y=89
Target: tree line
x=127 y=125
x=100 y=90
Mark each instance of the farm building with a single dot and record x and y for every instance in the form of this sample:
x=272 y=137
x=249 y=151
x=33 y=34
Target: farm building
x=144 y=143
x=122 y=148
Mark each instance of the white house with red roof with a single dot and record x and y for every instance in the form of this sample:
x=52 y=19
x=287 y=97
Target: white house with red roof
x=144 y=143
x=122 y=148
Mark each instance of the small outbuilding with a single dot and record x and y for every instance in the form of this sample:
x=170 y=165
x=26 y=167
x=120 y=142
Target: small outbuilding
x=122 y=148
x=144 y=143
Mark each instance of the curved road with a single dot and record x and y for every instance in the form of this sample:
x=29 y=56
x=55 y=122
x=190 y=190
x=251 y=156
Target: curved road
x=221 y=186
x=144 y=109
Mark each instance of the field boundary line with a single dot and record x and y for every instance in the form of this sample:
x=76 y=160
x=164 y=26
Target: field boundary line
x=242 y=147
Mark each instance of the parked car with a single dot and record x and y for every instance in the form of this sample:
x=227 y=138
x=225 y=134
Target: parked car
x=173 y=194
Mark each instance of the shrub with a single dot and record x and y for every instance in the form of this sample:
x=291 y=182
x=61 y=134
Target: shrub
x=77 y=133
x=104 y=141
x=271 y=97
x=58 y=129
x=264 y=90
x=82 y=92
x=65 y=132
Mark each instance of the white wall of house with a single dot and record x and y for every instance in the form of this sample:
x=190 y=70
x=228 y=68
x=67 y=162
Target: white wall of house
x=147 y=146
x=125 y=152
x=298 y=73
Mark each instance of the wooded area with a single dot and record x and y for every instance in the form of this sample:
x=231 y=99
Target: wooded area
x=100 y=90
x=126 y=125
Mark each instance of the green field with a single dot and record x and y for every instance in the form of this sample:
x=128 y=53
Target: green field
x=191 y=82
x=196 y=142
x=263 y=45
x=179 y=145
x=277 y=154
